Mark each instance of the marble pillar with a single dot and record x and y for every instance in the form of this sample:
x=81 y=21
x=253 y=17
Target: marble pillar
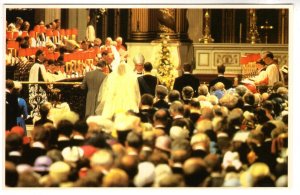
x=78 y=19
x=141 y=22
x=52 y=14
x=195 y=24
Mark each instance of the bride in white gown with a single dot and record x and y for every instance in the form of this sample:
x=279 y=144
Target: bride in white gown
x=119 y=92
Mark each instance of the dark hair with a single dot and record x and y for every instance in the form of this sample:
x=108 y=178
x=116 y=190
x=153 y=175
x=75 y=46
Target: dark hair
x=104 y=53
x=19 y=39
x=269 y=54
x=147 y=99
x=18 y=19
x=267 y=128
x=10 y=84
x=40 y=133
x=24 y=43
x=277 y=84
x=148 y=66
x=261 y=61
x=221 y=68
x=264 y=181
x=134 y=140
x=81 y=126
x=174 y=95
x=122 y=135
x=44 y=110
x=65 y=127
x=13 y=142
x=249 y=98
x=195 y=103
x=195 y=173
x=261 y=116
x=50 y=61
x=180 y=122
x=11 y=174
x=187 y=67
x=62 y=50
x=38 y=53
x=187 y=92
x=101 y=64
x=161 y=92
x=268 y=105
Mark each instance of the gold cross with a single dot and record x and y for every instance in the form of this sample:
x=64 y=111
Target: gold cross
x=266 y=28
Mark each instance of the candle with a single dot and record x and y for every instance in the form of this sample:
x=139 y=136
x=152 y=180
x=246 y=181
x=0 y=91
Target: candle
x=241 y=32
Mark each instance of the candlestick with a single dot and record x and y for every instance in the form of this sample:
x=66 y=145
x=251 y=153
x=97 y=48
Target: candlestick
x=241 y=26
x=206 y=38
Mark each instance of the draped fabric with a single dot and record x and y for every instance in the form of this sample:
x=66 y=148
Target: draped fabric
x=119 y=92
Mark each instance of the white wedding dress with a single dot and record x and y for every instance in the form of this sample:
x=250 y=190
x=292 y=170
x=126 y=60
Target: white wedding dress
x=119 y=92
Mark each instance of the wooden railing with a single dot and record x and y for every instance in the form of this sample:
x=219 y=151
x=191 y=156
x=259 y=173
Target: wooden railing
x=53 y=83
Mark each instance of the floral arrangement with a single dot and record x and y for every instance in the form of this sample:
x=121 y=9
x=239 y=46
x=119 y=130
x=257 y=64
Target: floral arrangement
x=165 y=69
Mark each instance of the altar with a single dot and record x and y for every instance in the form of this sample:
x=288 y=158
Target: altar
x=206 y=57
x=209 y=56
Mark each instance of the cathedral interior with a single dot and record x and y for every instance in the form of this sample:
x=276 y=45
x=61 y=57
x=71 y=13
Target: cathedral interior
x=204 y=38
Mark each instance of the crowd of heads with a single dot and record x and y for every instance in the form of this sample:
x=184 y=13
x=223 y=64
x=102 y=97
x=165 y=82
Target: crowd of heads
x=56 y=45
x=233 y=139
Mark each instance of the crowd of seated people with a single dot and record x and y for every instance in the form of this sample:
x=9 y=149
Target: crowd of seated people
x=226 y=138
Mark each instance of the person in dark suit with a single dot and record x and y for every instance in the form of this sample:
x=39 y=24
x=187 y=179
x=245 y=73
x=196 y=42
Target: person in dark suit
x=147 y=82
x=187 y=79
x=11 y=106
x=92 y=81
x=227 y=82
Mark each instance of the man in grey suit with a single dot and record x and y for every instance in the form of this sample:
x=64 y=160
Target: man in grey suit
x=92 y=81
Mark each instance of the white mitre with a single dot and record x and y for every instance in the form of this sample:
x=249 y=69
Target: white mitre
x=139 y=59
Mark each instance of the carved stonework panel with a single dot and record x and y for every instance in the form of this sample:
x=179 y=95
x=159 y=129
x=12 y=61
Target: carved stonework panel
x=203 y=60
x=282 y=58
x=227 y=58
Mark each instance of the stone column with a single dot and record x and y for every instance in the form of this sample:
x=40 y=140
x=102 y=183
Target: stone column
x=195 y=21
x=78 y=19
x=52 y=14
x=140 y=23
x=82 y=15
x=283 y=26
x=182 y=24
x=39 y=14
